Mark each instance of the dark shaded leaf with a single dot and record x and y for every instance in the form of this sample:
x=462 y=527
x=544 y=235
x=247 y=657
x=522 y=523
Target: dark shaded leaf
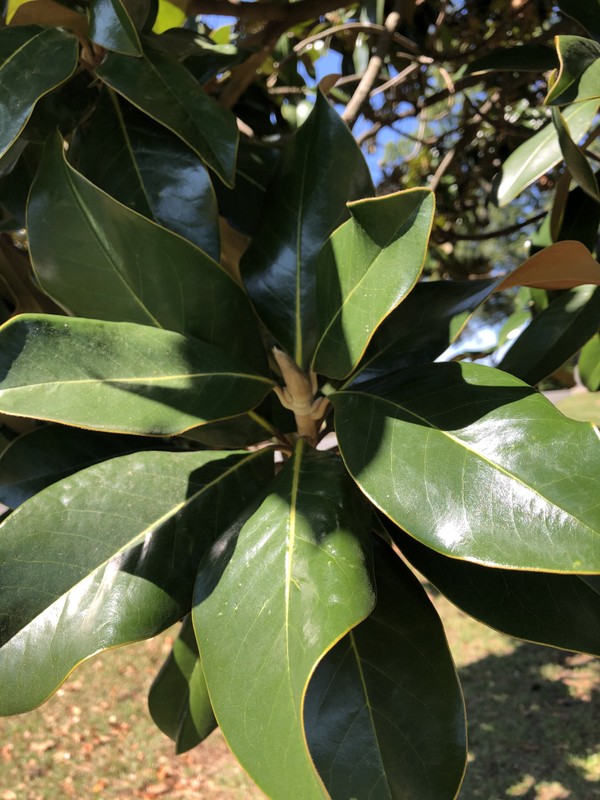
x=385 y=716
x=144 y=166
x=38 y=459
x=321 y=169
x=165 y=90
x=112 y=27
x=557 y=610
x=586 y=12
x=178 y=699
x=531 y=57
x=554 y=335
x=135 y=271
x=419 y=330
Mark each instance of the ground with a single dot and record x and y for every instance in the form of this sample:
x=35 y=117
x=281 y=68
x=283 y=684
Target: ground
x=532 y=733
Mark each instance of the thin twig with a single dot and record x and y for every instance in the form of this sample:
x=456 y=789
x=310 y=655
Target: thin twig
x=395 y=80
x=443 y=166
x=359 y=27
x=494 y=234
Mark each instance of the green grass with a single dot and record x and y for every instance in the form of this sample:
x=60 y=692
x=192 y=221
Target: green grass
x=530 y=711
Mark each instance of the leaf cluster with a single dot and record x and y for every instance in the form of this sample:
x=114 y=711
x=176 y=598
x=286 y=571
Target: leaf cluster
x=225 y=397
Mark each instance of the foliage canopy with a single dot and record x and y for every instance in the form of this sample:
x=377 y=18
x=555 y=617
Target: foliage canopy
x=226 y=391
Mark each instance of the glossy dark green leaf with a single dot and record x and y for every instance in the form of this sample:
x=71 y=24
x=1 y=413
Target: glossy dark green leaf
x=457 y=455
x=587 y=12
x=419 y=330
x=385 y=716
x=575 y=80
x=272 y=597
x=108 y=556
x=532 y=57
x=99 y=259
x=33 y=61
x=322 y=169
x=557 y=610
x=146 y=167
x=178 y=699
x=554 y=335
x=581 y=219
x=256 y=165
x=589 y=364
x=542 y=151
x=112 y=28
x=367 y=268
x=116 y=376
x=47 y=454
x=576 y=162
x=165 y=90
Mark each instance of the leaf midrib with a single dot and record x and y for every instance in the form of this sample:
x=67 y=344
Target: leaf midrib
x=136 y=380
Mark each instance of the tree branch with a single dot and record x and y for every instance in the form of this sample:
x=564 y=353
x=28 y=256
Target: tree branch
x=364 y=87
x=479 y=237
x=290 y=13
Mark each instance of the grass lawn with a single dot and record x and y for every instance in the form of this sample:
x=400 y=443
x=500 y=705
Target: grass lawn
x=533 y=733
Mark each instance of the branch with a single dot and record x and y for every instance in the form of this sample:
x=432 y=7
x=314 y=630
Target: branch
x=494 y=234
x=290 y=13
x=364 y=87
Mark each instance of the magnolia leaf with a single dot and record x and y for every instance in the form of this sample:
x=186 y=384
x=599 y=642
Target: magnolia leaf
x=116 y=376
x=563 y=265
x=420 y=329
x=576 y=80
x=37 y=60
x=457 y=455
x=589 y=364
x=178 y=700
x=384 y=713
x=557 y=610
x=554 y=335
x=542 y=151
x=576 y=162
x=531 y=57
x=165 y=90
x=109 y=556
x=586 y=12
x=111 y=27
x=136 y=271
x=366 y=268
x=39 y=458
x=146 y=167
x=271 y=598
x=322 y=169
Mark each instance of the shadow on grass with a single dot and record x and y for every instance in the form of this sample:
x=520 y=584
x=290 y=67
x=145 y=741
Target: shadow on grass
x=531 y=725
